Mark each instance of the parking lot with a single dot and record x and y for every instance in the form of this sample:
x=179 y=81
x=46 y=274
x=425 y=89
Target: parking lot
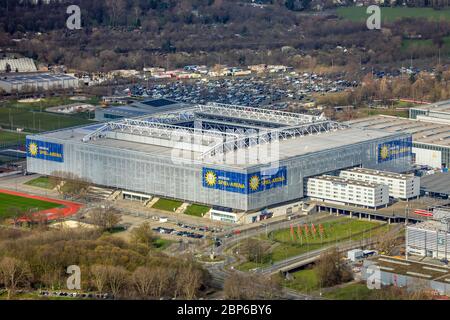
x=276 y=91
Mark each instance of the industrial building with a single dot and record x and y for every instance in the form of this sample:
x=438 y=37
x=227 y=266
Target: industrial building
x=438 y=112
x=34 y=82
x=430 y=140
x=138 y=109
x=436 y=185
x=401 y=186
x=17 y=65
x=432 y=237
x=411 y=275
x=235 y=157
x=347 y=191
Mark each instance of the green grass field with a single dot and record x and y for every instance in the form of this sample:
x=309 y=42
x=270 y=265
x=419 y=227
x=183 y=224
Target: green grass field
x=161 y=244
x=41 y=182
x=353 y=291
x=420 y=44
x=10 y=138
x=33 y=118
x=197 y=210
x=167 y=204
x=389 y=14
x=304 y=281
x=7 y=202
x=283 y=245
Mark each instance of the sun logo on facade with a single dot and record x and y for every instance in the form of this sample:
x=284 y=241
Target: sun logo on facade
x=254 y=183
x=33 y=149
x=384 y=152
x=210 y=178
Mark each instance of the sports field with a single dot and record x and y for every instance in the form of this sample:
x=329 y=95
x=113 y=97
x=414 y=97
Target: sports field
x=47 y=208
x=32 y=117
x=8 y=202
x=389 y=14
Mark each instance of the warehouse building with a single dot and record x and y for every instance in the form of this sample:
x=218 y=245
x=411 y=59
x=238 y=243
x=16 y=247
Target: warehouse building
x=430 y=140
x=436 y=185
x=432 y=237
x=438 y=112
x=401 y=186
x=17 y=65
x=235 y=157
x=35 y=82
x=347 y=191
x=138 y=109
x=411 y=275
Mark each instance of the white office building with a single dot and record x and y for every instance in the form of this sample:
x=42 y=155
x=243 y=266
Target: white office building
x=347 y=191
x=402 y=186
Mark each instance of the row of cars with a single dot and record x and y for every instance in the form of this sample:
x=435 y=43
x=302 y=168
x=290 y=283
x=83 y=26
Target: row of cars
x=45 y=293
x=179 y=233
x=256 y=91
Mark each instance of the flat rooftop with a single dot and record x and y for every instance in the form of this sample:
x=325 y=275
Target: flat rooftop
x=35 y=77
x=441 y=106
x=347 y=181
x=436 y=183
x=432 y=225
x=413 y=269
x=422 y=132
x=379 y=173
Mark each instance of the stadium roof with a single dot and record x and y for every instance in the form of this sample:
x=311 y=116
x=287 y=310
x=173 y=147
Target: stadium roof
x=167 y=135
x=422 y=131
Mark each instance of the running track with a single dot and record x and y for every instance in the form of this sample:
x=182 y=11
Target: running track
x=69 y=209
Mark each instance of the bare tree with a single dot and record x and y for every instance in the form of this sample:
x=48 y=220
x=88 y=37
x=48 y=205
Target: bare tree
x=162 y=274
x=100 y=276
x=69 y=184
x=191 y=277
x=144 y=280
x=143 y=234
x=386 y=242
x=105 y=218
x=117 y=279
x=14 y=273
x=248 y=287
x=331 y=269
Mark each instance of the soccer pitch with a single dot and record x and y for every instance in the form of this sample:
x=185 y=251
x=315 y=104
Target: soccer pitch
x=9 y=202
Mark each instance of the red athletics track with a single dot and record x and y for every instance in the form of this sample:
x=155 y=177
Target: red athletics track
x=69 y=209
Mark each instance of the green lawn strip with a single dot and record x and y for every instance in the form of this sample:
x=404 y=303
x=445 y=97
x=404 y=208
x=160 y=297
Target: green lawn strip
x=197 y=210
x=11 y=201
x=303 y=281
x=161 y=244
x=11 y=138
x=167 y=204
x=41 y=182
x=390 y=14
x=352 y=291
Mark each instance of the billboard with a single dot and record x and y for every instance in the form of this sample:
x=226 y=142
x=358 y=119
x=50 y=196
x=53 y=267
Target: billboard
x=395 y=149
x=45 y=150
x=242 y=182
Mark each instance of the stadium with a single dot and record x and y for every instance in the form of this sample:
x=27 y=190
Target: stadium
x=235 y=157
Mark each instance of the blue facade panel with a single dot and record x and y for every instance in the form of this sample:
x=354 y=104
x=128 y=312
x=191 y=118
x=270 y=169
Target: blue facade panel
x=45 y=150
